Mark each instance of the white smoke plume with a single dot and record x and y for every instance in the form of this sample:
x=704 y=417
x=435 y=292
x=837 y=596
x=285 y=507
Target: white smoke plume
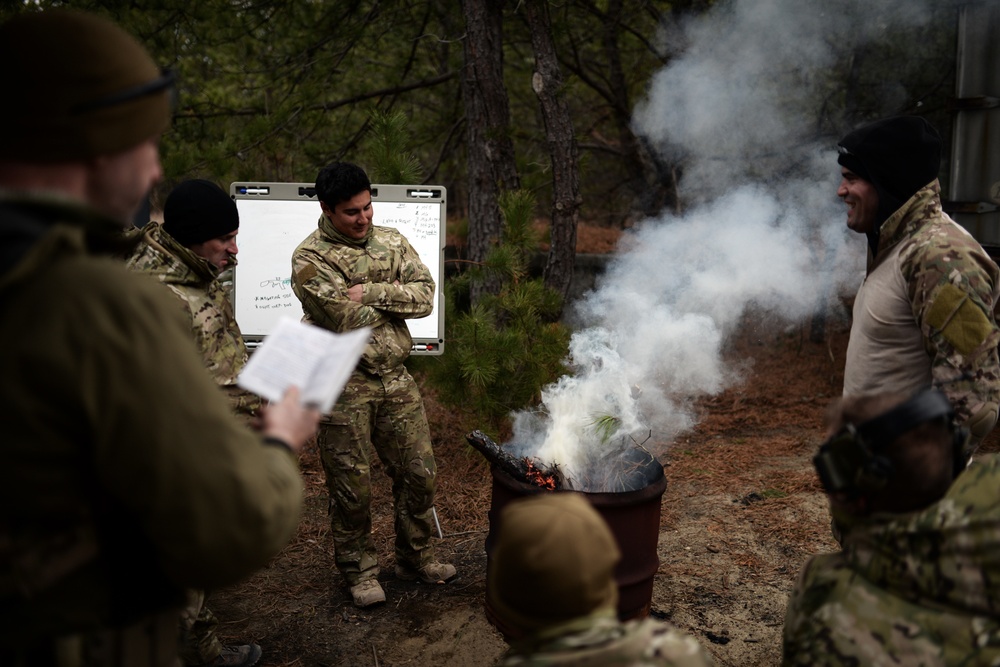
x=764 y=229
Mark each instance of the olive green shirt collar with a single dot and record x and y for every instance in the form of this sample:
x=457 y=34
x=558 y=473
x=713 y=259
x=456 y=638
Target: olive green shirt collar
x=326 y=226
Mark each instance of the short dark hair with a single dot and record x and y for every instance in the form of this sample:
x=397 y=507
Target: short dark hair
x=339 y=181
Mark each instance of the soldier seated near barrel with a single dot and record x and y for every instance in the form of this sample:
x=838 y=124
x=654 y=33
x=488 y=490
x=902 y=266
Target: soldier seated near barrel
x=918 y=578
x=551 y=585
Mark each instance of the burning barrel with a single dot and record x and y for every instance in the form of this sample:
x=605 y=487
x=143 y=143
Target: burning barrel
x=633 y=516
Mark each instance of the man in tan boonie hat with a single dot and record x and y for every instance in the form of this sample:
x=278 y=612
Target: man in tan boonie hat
x=83 y=94
x=84 y=88
x=124 y=477
x=551 y=584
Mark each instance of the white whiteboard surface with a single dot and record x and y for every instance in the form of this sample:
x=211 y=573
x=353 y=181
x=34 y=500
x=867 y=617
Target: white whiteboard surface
x=276 y=217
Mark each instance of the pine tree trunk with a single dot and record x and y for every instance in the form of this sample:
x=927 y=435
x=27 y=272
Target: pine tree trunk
x=548 y=84
x=491 y=166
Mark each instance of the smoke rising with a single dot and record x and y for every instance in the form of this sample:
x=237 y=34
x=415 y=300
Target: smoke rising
x=747 y=104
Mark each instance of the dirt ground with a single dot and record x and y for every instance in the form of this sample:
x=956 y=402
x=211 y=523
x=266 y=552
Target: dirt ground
x=741 y=514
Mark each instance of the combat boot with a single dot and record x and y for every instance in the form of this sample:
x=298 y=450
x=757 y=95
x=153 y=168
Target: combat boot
x=432 y=573
x=367 y=593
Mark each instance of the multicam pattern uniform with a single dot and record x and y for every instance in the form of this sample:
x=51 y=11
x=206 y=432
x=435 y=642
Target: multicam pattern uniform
x=604 y=641
x=195 y=282
x=381 y=403
x=943 y=330
x=915 y=589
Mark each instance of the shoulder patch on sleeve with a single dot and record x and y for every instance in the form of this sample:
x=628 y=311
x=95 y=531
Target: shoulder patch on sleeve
x=307 y=273
x=960 y=321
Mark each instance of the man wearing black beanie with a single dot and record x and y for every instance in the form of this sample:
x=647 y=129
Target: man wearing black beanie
x=196 y=241
x=924 y=312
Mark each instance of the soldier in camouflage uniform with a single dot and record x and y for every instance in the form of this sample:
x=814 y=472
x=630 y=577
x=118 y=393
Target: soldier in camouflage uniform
x=349 y=274
x=195 y=243
x=551 y=585
x=918 y=579
x=925 y=311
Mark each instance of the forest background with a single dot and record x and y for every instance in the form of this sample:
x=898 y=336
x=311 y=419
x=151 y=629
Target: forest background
x=595 y=112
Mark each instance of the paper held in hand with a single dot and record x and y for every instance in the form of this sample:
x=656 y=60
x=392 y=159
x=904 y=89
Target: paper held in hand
x=315 y=360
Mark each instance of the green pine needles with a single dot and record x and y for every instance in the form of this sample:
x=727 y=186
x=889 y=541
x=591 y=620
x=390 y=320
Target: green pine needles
x=605 y=426
x=502 y=351
x=388 y=150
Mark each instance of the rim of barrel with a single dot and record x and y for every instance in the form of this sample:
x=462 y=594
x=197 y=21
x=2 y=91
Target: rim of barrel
x=653 y=489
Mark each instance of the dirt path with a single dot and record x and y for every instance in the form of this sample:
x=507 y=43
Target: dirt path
x=741 y=514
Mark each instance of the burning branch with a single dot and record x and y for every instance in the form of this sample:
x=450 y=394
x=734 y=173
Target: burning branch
x=522 y=469
x=539 y=477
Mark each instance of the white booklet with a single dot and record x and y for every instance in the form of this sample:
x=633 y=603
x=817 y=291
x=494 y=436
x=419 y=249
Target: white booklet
x=315 y=360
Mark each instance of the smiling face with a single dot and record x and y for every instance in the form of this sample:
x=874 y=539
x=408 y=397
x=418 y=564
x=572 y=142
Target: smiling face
x=861 y=199
x=218 y=250
x=353 y=217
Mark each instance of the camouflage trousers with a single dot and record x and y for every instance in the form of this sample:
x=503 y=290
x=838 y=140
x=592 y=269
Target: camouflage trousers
x=197 y=642
x=386 y=413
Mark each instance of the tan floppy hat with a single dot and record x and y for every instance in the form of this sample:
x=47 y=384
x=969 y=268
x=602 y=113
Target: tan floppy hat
x=553 y=561
x=82 y=87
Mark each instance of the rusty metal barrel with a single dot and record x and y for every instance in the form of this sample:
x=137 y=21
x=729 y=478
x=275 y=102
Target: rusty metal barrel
x=634 y=519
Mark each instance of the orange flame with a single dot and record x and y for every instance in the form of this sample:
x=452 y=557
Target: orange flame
x=538 y=477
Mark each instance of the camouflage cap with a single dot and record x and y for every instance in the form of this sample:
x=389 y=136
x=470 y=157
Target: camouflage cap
x=553 y=561
x=82 y=87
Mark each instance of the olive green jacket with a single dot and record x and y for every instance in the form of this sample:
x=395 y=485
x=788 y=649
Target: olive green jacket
x=397 y=287
x=124 y=476
x=194 y=281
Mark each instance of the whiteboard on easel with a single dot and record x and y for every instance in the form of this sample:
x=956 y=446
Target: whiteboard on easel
x=276 y=217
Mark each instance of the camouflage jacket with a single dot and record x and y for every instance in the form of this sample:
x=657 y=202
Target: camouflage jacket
x=125 y=477
x=194 y=281
x=925 y=314
x=912 y=589
x=602 y=641
x=397 y=286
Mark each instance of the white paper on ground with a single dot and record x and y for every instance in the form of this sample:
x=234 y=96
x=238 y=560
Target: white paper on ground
x=315 y=360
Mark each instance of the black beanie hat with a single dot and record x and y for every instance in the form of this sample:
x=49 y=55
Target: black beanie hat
x=898 y=155
x=197 y=211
